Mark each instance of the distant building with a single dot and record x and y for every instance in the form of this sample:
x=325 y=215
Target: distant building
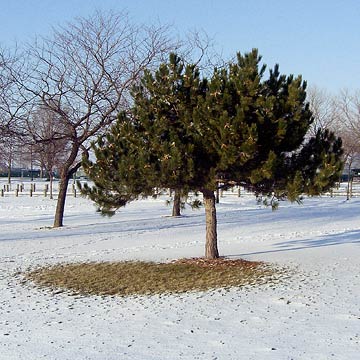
x=20 y=173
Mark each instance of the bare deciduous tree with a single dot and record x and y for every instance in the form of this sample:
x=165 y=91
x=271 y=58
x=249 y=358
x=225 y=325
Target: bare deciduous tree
x=351 y=146
x=323 y=108
x=13 y=106
x=348 y=127
x=83 y=74
x=322 y=105
x=47 y=144
x=7 y=150
x=348 y=111
x=13 y=109
x=199 y=48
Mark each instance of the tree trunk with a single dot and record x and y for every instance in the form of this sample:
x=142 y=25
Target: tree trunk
x=51 y=185
x=217 y=199
x=177 y=204
x=9 y=172
x=211 y=250
x=348 y=184
x=60 y=206
x=66 y=172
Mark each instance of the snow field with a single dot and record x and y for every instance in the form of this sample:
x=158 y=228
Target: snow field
x=313 y=314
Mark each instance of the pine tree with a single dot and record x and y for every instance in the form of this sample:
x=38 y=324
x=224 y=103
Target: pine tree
x=190 y=133
x=152 y=147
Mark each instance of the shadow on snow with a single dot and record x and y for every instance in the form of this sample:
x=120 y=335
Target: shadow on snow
x=347 y=237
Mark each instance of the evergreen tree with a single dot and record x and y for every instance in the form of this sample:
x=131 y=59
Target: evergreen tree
x=189 y=133
x=151 y=147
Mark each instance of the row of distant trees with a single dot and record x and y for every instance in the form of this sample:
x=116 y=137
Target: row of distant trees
x=341 y=114
x=25 y=151
x=60 y=92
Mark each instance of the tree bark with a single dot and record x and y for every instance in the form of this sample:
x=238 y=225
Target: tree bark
x=60 y=206
x=217 y=199
x=211 y=250
x=177 y=204
x=9 y=171
x=348 y=184
x=51 y=179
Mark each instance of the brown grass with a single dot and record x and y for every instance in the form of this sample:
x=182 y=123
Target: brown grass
x=136 y=277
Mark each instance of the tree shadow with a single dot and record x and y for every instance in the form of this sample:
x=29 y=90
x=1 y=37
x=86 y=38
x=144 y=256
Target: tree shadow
x=347 y=237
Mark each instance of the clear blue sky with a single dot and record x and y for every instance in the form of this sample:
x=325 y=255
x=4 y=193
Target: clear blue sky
x=319 y=39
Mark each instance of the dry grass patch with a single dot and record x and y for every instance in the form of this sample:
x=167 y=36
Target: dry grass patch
x=137 y=277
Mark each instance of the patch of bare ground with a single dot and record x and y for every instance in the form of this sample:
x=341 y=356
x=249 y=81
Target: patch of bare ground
x=145 y=278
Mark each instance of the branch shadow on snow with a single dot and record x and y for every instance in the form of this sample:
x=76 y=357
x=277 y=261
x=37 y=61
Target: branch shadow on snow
x=347 y=237
x=122 y=227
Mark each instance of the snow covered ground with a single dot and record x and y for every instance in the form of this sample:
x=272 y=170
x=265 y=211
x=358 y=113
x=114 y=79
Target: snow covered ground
x=314 y=314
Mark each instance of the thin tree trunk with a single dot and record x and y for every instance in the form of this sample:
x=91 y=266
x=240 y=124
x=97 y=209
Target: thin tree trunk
x=348 y=184
x=51 y=184
x=60 y=206
x=65 y=175
x=9 y=172
x=211 y=250
x=176 y=211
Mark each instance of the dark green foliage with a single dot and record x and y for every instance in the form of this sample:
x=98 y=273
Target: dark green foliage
x=152 y=146
x=318 y=164
x=189 y=133
x=122 y=163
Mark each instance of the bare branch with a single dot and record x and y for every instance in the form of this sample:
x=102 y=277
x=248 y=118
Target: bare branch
x=81 y=77
x=323 y=107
